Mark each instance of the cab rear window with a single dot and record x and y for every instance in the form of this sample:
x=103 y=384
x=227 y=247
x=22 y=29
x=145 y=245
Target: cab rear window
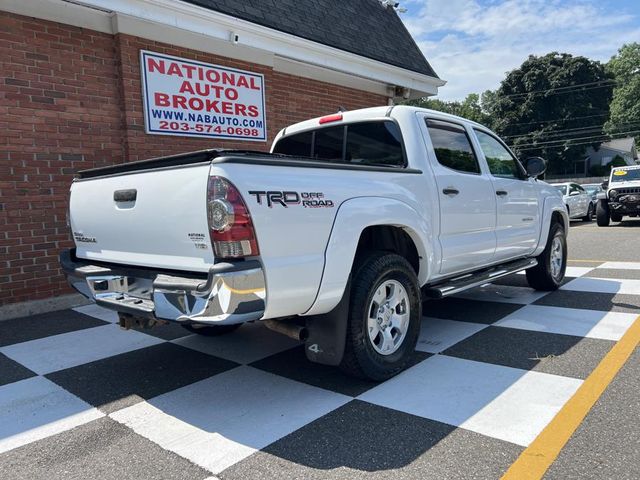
x=377 y=143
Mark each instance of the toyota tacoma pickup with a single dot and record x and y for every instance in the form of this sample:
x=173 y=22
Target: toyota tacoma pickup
x=334 y=237
x=621 y=195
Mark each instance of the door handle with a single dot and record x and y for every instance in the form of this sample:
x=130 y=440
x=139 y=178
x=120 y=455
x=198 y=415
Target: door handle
x=125 y=195
x=502 y=193
x=450 y=191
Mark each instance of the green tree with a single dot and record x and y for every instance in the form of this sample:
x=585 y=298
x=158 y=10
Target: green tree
x=488 y=101
x=625 y=106
x=553 y=106
x=470 y=107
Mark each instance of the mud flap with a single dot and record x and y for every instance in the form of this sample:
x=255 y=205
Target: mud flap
x=328 y=332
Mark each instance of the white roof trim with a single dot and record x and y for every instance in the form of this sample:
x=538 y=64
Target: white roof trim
x=159 y=14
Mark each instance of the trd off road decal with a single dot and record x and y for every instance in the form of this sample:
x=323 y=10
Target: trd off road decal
x=286 y=199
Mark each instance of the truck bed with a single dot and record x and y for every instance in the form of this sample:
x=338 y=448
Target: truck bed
x=224 y=156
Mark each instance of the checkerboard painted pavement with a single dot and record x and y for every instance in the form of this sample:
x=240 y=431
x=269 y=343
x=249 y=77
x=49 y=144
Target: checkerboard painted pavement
x=80 y=398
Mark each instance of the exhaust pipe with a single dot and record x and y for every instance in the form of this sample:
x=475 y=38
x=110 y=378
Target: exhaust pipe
x=291 y=330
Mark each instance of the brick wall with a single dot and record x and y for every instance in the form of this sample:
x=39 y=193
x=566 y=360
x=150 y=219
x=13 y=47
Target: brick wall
x=70 y=99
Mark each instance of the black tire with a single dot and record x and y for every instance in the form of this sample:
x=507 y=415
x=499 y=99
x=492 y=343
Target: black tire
x=589 y=216
x=616 y=217
x=212 y=330
x=360 y=358
x=602 y=214
x=541 y=277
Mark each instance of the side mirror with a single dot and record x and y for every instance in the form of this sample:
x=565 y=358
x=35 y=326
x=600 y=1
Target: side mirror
x=535 y=166
x=605 y=184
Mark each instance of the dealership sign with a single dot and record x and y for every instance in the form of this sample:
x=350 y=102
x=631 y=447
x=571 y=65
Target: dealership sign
x=189 y=98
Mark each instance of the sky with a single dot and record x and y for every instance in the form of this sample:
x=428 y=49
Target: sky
x=472 y=44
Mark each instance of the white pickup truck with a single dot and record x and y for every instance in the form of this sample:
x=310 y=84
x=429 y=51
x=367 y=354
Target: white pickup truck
x=334 y=237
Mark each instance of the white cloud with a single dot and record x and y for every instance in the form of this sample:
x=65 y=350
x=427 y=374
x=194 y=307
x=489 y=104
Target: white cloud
x=472 y=44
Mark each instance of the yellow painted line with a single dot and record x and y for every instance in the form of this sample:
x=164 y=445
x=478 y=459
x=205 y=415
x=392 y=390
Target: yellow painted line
x=534 y=461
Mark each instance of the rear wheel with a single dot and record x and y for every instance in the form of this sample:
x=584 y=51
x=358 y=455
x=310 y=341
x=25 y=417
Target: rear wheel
x=552 y=262
x=211 y=330
x=602 y=214
x=384 y=317
x=589 y=216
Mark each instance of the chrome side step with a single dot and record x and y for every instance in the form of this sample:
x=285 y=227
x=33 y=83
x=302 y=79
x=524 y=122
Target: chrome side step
x=475 y=279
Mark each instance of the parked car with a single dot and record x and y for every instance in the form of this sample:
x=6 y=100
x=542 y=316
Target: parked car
x=333 y=238
x=621 y=196
x=593 y=189
x=579 y=203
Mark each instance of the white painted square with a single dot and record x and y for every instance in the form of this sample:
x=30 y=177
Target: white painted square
x=251 y=342
x=37 y=408
x=98 y=312
x=219 y=421
x=501 y=402
x=621 y=265
x=57 y=352
x=603 y=285
x=577 y=271
x=570 y=321
x=503 y=294
x=571 y=271
x=436 y=335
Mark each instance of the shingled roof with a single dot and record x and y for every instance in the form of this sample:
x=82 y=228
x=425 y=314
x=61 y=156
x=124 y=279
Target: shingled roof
x=362 y=27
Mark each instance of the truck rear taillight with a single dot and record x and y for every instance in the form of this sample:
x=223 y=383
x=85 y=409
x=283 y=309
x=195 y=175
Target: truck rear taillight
x=230 y=226
x=330 y=118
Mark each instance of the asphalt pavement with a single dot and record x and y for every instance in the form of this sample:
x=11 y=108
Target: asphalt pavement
x=607 y=443
x=82 y=399
x=620 y=241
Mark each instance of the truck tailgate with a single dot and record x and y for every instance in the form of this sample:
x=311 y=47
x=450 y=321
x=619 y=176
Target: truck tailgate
x=154 y=218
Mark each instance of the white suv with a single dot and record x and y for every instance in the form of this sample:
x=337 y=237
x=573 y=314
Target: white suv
x=621 y=196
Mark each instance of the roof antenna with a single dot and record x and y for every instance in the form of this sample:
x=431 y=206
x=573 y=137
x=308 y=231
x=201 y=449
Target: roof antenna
x=341 y=108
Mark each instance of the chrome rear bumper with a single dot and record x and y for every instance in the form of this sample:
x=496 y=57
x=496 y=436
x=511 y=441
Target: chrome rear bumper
x=230 y=293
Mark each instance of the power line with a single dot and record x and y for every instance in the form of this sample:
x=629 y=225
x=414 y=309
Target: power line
x=593 y=138
x=559 y=146
x=562 y=119
x=570 y=131
x=543 y=144
x=565 y=89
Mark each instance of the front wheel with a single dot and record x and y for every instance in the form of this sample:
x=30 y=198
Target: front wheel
x=552 y=262
x=589 y=216
x=602 y=214
x=384 y=317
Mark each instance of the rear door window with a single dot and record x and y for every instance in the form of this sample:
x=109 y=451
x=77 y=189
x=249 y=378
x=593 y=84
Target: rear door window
x=452 y=146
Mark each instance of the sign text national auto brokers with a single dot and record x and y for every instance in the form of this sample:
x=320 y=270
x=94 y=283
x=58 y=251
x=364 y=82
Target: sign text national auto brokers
x=185 y=97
